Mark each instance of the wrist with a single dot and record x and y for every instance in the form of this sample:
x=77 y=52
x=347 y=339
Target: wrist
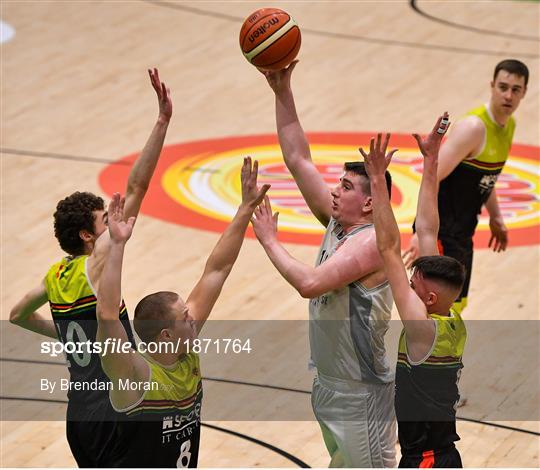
x=378 y=179
x=269 y=240
x=246 y=207
x=163 y=120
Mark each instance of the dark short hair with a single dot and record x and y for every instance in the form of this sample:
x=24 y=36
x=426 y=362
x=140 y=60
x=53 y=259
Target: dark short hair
x=441 y=268
x=359 y=168
x=514 y=67
x=153 y=314
x=73 y=214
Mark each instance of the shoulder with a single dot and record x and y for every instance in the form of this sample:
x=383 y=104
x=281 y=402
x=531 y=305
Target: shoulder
x=363 y=243
x=470 y=126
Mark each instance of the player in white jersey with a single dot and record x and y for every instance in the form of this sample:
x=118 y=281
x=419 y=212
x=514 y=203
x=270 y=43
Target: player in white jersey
x=350 y=300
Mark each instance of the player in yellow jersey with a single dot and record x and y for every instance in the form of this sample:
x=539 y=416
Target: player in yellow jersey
x=433 y=337
x=162 y=419
x=471 y=160
x=80 y=225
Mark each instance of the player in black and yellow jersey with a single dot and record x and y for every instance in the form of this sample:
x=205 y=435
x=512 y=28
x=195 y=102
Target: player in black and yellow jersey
x=431 y=344
x=80 y=225
x=470 y=162
x=161 y=426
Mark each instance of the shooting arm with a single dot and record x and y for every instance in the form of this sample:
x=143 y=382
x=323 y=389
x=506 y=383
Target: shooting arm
x=24 y=313
x=297 y=155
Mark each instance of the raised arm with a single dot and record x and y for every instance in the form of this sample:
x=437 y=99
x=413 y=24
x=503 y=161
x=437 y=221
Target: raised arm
x=355 y=259
x=143 y=169
x=427 y=213
x=411 y=309
x=140 y=175
x=126 y=364
x=295 y=147
x=24 y=313
x=465 y=140
x=220 y=262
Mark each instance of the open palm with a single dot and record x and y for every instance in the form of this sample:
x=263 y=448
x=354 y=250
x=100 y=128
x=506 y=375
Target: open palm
x=119 y=230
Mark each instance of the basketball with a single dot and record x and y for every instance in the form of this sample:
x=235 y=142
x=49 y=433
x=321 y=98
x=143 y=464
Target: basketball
x=270 y=39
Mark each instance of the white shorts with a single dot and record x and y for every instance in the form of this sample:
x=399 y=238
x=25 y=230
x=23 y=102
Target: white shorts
x=357 y=421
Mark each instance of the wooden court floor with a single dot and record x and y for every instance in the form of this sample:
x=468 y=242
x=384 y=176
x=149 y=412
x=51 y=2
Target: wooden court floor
x=75 y=96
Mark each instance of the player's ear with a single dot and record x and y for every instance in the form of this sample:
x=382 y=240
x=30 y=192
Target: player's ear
x=368 y=205
x=165 y=335
x=431 y=298
x=86 y=236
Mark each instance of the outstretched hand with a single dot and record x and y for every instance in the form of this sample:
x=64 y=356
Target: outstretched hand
x=377 y=160
x=279 y=80
x=119 y=230
x=264 y=222
x=252 y=196
x=163 y=94
x=430 y=145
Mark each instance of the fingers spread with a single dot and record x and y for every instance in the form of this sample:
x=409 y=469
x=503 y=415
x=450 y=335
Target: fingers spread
x=361 y=150
x=385 y=143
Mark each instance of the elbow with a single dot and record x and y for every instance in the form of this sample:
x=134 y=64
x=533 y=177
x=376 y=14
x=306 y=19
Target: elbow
x=309 y=290
x=15 y=317
x=386 y=249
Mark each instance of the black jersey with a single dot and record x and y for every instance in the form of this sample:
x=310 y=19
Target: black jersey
x=427 y=391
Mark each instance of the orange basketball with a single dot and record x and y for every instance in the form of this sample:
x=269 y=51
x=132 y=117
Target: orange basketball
x=270 y=38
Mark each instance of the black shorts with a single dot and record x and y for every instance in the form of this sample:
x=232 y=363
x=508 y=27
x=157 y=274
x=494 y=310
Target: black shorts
x=447 y=458
x=91 y=431
x=462 y=250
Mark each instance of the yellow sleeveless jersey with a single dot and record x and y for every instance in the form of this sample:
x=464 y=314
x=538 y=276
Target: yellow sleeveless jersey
x=497 y=142
x=164 y=425
x=73 y=306
x=464 y=191
x=427 y=391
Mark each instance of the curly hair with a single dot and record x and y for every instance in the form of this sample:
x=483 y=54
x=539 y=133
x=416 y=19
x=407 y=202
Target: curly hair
x=73 y=214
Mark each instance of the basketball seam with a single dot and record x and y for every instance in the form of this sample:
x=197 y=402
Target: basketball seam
x=271 y=40
x=253 y=26
x=290 y=50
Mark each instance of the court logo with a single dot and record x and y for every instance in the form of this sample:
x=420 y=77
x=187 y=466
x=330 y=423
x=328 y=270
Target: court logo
x=197 y=184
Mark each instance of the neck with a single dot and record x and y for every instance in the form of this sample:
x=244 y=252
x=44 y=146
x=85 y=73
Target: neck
x=349 y=227
x=438 y=309
x=165 y=359
x=499 y=118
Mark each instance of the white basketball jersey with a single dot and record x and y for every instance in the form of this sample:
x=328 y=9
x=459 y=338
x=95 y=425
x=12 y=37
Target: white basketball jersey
x=347 y=326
